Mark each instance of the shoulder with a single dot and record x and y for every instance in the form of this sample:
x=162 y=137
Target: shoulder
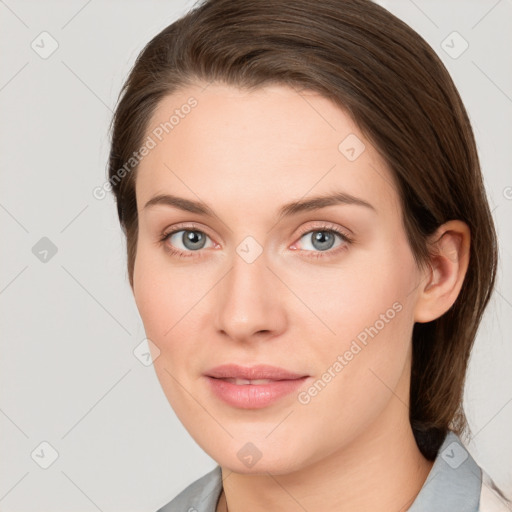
x=200 y=496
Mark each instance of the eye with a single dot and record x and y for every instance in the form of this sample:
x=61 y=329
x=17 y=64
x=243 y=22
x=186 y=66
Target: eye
x=189 y=241
x=324 y=239
x=184 y=242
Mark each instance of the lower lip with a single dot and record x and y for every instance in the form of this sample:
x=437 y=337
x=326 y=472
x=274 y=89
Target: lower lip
x=253 y=396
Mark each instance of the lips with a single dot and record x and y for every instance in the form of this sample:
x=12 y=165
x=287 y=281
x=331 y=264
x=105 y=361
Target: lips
x=252 y=387
x=242 y=382
x=252 y=373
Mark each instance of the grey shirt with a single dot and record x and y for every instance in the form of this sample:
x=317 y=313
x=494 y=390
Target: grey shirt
x=455 y=484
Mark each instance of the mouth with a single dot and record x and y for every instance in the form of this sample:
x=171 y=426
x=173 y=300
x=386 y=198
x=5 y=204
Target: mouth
x=243 y=382
x=252 y=373
x=252 y=387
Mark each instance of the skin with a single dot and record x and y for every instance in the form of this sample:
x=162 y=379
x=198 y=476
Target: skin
x=245 y=154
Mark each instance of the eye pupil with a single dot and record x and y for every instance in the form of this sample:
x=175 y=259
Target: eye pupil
x=325 y=240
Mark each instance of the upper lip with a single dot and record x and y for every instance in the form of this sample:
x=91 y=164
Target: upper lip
x=260 y=371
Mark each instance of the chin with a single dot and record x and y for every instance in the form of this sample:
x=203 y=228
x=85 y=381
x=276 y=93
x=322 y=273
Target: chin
x=280 y=467
x=250 y=458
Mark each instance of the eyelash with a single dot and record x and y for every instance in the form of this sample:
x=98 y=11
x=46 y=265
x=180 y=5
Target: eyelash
x=326 y=227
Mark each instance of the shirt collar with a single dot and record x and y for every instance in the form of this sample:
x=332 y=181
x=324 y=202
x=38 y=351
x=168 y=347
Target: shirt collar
x=454 y=482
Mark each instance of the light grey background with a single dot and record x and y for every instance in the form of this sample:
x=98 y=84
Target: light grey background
x=69 y=325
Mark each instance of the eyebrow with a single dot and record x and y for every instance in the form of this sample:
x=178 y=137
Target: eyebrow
x=289 y=209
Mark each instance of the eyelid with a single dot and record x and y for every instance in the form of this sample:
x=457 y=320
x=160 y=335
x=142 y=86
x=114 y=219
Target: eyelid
x=186 y=226
x=327 y=226
x=321 y=225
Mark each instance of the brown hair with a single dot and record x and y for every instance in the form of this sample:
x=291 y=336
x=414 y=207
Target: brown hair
x=392 y=83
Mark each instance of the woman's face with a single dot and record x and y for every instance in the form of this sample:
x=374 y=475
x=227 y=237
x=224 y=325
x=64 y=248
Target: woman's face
x=324 y=291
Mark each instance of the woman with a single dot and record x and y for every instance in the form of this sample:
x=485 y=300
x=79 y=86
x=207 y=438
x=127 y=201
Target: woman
x=311 y=251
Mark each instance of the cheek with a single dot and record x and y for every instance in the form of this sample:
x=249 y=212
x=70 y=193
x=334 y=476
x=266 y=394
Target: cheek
x=156 y=296
x=163 y=307
x=146 y=293
x=368 y=295
x=359 y=376
x=169 y=298
x=369 y=311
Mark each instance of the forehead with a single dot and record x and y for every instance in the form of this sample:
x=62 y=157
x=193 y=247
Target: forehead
x=272 y=144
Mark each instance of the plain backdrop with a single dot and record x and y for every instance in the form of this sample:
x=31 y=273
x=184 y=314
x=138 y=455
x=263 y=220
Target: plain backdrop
x=73 y=395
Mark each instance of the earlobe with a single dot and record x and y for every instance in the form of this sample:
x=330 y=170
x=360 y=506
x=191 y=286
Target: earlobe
x=444 y=274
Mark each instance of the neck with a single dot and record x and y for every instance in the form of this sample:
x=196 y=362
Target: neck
x=382 y=469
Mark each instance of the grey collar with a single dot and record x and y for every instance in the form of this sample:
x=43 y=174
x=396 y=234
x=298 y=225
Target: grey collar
x=454 y=482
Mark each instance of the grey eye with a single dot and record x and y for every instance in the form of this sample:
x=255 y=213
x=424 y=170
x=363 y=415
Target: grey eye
x=191 y=240
x=320 y=240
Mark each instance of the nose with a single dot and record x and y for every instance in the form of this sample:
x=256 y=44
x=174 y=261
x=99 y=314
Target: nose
x=250 y=301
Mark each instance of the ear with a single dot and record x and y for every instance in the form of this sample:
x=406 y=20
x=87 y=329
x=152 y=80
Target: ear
x=443 y=277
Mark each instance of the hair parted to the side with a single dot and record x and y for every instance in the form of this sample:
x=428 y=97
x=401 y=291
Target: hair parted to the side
x=401 y=96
